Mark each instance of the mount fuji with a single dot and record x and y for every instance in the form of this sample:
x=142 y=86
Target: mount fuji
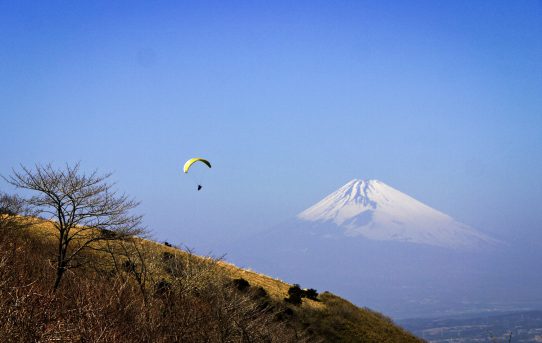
x=376 y=211
x=381 y=248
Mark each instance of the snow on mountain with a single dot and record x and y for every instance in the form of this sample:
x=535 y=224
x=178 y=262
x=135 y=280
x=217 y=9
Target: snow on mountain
x=376 y=211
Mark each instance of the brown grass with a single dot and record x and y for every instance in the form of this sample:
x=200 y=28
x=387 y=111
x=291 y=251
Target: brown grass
x=163 y=294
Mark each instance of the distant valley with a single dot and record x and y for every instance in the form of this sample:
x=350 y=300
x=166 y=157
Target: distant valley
x=523 y=327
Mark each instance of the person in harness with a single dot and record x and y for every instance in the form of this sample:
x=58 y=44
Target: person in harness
x=191 y=161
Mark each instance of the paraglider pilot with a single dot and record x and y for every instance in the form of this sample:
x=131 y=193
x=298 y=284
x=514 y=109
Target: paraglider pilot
x=191 y=162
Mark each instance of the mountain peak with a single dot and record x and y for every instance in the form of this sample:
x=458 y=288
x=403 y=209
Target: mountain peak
x=353 y=182
x=354 y=197
x=374 y=210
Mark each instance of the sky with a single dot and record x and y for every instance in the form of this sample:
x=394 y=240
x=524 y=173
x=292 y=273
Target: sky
x=288 y=100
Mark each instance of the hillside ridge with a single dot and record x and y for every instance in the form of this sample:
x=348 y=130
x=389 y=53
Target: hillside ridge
x=173 y=280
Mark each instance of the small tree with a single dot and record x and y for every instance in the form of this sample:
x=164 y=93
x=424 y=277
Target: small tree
x=134 y=259
x=83 y=208
x=14 y=213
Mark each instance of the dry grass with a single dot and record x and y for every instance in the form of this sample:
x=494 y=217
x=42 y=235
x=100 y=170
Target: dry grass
x=104 y=302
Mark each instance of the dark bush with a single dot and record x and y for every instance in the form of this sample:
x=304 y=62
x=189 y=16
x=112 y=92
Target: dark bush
x=295 y=293
x=260 y=292
x=129 y=266
x=241 y=284
x=167 y=256
x=312 y=294
x=162 y=287
x=284 y=315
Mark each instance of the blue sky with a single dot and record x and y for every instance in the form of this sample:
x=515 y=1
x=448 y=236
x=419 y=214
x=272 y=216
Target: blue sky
x=289 y=100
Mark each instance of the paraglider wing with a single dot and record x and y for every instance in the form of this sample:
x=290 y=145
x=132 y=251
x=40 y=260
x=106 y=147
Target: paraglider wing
x=191 y=161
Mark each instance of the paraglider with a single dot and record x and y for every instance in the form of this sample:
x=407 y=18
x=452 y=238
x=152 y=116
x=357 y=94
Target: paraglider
x=191 y=161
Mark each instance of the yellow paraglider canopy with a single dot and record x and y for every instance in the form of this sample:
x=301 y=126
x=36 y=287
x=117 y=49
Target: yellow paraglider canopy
x=191 y=161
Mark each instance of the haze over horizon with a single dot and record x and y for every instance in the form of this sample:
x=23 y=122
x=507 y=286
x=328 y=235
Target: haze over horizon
x=289 y=101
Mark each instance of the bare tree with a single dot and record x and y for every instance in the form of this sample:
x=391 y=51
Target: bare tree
x=84 y=209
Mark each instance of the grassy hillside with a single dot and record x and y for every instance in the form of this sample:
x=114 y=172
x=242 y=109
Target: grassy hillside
x=143 y=291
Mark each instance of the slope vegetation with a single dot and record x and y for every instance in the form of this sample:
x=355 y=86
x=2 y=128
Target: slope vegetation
x=143 y=291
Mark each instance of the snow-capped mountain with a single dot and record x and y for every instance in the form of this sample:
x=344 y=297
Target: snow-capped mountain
x=381 y=248
x=376 y=211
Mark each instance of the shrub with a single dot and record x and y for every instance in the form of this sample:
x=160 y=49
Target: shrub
x=167 y=256
x=162 y=287
x=312 y=294
x=241 y=284
x=129 y=266
x=295 y=293
x=260 y=292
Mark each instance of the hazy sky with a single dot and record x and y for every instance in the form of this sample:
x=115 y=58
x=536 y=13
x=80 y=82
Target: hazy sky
x=289 y=100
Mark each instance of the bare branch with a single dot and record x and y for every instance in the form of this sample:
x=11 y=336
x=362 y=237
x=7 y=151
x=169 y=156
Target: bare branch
x=84 y=208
